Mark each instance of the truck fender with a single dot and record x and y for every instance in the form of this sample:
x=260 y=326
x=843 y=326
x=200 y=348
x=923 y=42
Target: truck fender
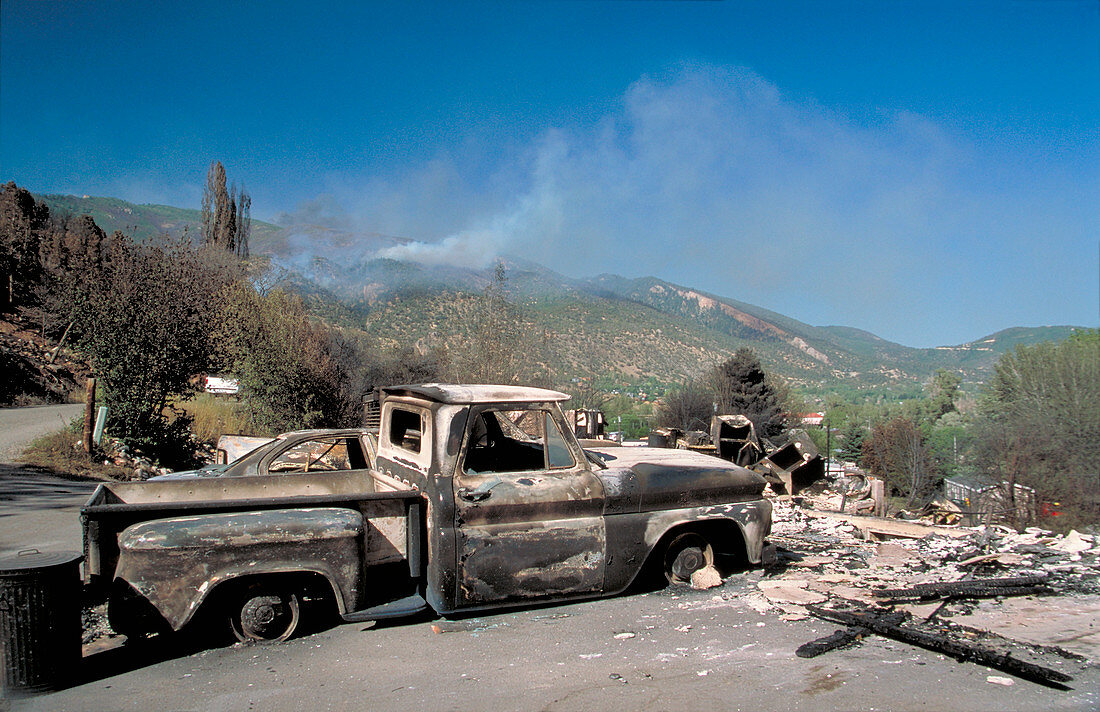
x=736 y=529
x=176 y=563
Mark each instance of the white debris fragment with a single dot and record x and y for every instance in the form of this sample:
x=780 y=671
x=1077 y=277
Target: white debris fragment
x=998 y=680
x=683 y=628
x=757 y=602
x=790 y=591
x=1074 y=543
x=625 y=635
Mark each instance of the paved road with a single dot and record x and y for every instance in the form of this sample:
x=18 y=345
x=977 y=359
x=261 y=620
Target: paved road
x=19 y=426
x=37 y=510
x=684 y=650
x=40 y=510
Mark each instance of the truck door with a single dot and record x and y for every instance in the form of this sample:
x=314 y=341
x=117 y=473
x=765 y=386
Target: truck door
x=528 y=512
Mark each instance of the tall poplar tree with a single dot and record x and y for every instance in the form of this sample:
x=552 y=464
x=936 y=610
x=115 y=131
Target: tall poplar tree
x=226 y=213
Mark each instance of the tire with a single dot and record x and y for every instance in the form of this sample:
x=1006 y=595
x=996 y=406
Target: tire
x=264 y=615
x=686 y=554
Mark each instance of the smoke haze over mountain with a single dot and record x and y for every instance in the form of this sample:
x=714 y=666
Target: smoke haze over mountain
x=713 y=178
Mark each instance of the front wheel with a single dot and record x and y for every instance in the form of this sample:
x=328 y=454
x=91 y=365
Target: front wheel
x=264 y=615
x=685 y=555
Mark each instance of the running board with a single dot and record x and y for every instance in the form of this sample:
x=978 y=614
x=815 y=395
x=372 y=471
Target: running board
x=394 y=609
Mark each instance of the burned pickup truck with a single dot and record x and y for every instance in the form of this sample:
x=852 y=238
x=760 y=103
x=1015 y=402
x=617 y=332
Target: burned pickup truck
x=464 y=498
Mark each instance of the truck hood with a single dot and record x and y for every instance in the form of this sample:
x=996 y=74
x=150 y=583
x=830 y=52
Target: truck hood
x=644 y=479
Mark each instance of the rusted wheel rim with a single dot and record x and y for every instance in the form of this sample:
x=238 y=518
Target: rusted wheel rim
x=685 y=555
x=266 y=618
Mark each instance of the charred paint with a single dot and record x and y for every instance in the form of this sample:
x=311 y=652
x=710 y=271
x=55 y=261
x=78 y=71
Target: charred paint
x=242 y=529
x=203 y=551
x=551 y=558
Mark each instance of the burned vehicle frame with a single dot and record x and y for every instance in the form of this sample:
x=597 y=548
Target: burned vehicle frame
x=475 y=497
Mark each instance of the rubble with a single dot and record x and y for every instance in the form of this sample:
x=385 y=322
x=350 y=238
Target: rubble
x=706 y=577
x=911 y=579
x=142 y=467
x=944 y=640
x=789 y=467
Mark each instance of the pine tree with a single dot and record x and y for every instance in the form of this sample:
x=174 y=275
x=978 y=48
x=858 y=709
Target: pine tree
x=742 y=387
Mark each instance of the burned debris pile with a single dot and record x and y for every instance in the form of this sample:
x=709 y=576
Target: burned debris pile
x=789 y=468
x=944 y=640
x=912 y=581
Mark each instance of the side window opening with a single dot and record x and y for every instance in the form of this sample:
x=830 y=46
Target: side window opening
x=515 y=441
x=357 y=459
x=558 y=454
x=406 y=429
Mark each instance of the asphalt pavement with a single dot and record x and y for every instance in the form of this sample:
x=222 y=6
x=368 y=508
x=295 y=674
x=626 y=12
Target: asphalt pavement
x=20 y=426
x=37 y=509
x=665 y=650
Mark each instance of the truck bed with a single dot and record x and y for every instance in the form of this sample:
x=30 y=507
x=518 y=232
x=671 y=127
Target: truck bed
x=391 y=506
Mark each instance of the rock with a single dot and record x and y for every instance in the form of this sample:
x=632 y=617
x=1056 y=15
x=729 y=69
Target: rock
x=706 y=577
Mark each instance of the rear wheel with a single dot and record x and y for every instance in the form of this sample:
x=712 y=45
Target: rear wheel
x=264 y=615
x=685 y=555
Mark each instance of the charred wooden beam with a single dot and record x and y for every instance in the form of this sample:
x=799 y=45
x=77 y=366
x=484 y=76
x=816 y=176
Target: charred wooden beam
x=843 y=638
x=938 y=643
x=970 y=588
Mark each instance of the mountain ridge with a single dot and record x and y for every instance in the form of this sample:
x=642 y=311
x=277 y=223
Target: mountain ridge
x=607 y=325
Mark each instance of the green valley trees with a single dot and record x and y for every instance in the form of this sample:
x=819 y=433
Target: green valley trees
x=737 y=386
x=896 y=452
x=283 y=359
x=687 y=408
x=741 y=386
x=1039 y=425
x=143 y=315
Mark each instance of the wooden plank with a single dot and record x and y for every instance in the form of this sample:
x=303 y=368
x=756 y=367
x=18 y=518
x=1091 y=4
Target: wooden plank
x=891 y=527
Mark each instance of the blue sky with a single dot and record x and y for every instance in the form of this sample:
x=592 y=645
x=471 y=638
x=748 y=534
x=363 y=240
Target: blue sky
x=927 y=171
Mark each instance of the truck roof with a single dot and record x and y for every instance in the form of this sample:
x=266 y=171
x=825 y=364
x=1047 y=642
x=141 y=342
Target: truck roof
x=476 y=393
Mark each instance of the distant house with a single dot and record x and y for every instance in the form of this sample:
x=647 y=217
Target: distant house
x=986 y=501
x=811 y=418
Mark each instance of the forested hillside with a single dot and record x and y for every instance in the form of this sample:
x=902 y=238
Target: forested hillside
x=608 y=328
